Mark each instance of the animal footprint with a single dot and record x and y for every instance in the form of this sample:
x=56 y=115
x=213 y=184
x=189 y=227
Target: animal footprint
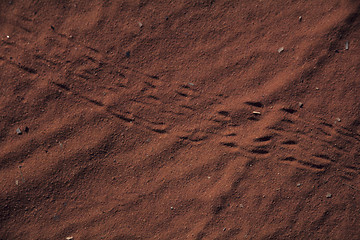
x=263 y=139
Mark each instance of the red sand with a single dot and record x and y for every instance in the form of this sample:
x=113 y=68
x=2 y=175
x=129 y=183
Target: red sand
x=148 y=132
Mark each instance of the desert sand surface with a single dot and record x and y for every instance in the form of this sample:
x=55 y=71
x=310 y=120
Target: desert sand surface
x=204 y=119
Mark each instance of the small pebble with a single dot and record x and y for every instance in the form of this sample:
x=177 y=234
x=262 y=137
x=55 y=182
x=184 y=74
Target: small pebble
x=328 y=195
x=256 y=113
x=172 y=208
x=317 y=88
x=241 y=205
x=280 y=50
x=18 y=131
x=69 y=238
x=7 y=36
x=338 y=119
x=347 y=45
x=224 y=229
x=298 y=185
x=301 y=104
x=300 y=18
x=140 y=24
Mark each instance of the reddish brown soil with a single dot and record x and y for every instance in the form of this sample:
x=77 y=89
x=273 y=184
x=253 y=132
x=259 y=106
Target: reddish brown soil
x=148 y=132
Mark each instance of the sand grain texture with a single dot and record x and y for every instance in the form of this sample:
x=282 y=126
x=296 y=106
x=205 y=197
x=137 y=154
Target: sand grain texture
x=180 y=119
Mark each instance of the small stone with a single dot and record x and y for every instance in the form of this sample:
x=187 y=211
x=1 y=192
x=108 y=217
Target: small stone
x=280 y=50
x=140 y=24
x=241 y=205
x=256 y=113
x=328 y=195
x=224 y=229
x=7 y=36
x=69 y=238
x=301 y=104
x=18 y=131
x=300 y=18
x=298 y=185
x=347 y=45
x=191 y=84
x=317 y=88
x=172 y=208
x=338 y=119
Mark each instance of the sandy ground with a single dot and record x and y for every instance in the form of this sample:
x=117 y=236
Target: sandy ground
x=205 y=119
